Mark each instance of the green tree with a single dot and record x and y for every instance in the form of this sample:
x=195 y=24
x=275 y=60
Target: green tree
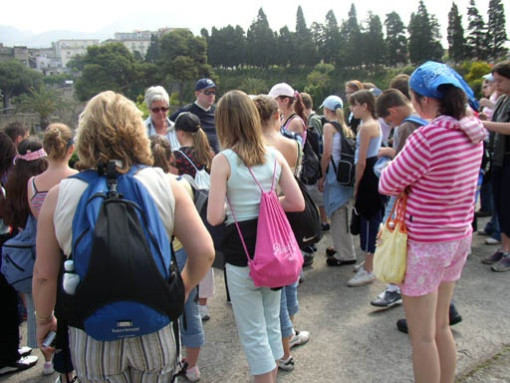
x=285 y=52
x=153 y=52
x=44 y=101
x=319 y=81
x=319 y=39
x=260 y=42
x=108 y=67
x=305 y=51
x=476 y=33
x=332 y=39
x=352 y=39
x=396 y=41
x=226 y=47
x=16 y=79
x=496 y=32
x=183 y=58
x=424 y=36
x=455 y=31
x=373 y=44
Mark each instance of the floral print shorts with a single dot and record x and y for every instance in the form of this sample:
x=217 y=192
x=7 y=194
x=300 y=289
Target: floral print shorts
x=429 y=264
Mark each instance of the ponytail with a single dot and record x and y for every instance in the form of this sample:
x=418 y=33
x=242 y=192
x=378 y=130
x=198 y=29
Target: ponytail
x=202 y=148
x=299 y=106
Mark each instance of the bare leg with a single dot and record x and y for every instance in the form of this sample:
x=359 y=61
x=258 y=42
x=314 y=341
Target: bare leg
x=324 y=217
x=269 y=377
x=505 y=242
x=202 y=301
x=286 y=347
x=444 y=338
x=421 y=320
x=369 y=262
x=192 y=356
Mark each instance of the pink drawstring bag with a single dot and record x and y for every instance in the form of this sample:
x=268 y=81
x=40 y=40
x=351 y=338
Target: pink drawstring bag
x=277 y=260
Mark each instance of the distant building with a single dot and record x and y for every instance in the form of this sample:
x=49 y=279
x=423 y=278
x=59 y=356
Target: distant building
x=67 y=49
x=45 y=60
x=137 y=41
x=18 y=53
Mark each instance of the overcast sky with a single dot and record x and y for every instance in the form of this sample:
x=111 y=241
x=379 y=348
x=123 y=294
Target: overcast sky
x=93 y=15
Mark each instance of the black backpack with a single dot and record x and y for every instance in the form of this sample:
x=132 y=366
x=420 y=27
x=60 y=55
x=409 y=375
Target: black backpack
x=345 y=171
x=311 y=170
x=306 y=224
x=129 y=283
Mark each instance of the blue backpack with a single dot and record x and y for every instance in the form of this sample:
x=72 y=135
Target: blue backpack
x=417 y=120
x=18 y=257
x=129 y=281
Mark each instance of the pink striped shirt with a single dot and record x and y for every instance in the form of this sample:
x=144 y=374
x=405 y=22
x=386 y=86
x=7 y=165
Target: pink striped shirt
x=439 y=167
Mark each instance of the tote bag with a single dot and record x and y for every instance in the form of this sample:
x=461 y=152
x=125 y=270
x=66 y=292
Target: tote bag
x=277 y=260
x=390 y=258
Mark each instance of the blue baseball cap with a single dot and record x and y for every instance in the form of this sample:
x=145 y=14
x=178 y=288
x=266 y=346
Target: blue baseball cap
x=332 y=103
x=205 y=83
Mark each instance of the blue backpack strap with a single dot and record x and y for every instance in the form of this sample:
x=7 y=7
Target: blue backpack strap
x=417 y=120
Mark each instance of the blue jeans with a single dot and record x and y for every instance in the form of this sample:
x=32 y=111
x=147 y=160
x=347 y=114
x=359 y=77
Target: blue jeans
x=193 y=335
x=289 y=306
x=256 y=312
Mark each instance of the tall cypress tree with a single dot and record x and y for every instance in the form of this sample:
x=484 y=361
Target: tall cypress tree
x=396 y=41
x=305 y=49
x=331 y=48
x=351 y=35
x=260 y=42
x=496 y=32
x=477 y=33
x=373 y=41
x=424 y=36
x=456 y=40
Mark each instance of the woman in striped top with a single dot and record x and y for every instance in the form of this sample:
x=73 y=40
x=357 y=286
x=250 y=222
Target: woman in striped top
x=438 y=168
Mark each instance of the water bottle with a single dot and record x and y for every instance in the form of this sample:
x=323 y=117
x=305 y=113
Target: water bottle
x=71 y=279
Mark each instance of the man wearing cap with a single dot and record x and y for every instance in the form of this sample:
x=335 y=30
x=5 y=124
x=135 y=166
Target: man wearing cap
x=205 y=92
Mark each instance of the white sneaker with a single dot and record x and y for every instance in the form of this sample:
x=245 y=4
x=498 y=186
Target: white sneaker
x=358 y=266
x=286 y=364
x=204 y=312
x=492 y=241
x=192 y=374
x=361 y=278
x=48 y=368
x=299 y=338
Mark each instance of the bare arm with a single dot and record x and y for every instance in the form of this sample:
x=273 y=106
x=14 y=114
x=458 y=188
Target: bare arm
x=193 y=235
x=329 y=131
x=362 y=155
x=498 y=127
x=292 y=199
x=46 y=268
x=220 y=172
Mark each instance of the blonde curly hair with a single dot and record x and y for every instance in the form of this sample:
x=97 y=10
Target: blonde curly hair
x=111 y=128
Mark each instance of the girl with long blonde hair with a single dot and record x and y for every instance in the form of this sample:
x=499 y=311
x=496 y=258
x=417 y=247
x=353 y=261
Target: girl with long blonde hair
x=256 y=309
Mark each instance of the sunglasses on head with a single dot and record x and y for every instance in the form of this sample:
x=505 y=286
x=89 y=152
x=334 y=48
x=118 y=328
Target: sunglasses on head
x=209 y=92
x=159 y=109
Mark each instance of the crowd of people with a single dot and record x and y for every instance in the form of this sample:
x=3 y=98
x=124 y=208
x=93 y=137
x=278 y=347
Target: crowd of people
x=426 y=137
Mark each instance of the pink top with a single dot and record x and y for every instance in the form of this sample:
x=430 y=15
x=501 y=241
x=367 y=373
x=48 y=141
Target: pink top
x=38 y=197
x=439 y=165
